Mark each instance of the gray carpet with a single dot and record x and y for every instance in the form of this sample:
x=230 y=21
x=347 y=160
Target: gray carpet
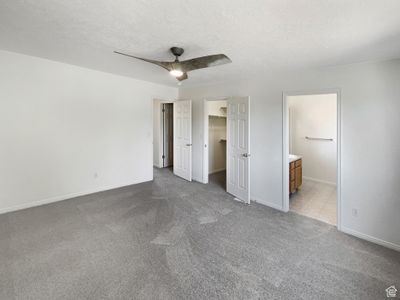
x=170 y=239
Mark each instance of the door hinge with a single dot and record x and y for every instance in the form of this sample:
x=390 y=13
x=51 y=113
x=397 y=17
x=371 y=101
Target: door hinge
x=163 y=156
x=163 y=110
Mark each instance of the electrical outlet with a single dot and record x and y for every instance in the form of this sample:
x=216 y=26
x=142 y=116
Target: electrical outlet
x=354 y=212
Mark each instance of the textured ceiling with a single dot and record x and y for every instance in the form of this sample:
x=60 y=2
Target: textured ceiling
x=260 y=36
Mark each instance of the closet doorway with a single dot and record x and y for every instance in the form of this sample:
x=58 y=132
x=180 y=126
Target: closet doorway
x=226 y=140
x=217 y=120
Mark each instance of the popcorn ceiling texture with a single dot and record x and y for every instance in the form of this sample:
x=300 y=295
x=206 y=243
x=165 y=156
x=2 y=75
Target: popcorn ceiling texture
x=259 y=36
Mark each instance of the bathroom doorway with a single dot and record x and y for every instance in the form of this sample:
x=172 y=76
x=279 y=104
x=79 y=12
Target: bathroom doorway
x=312 y=155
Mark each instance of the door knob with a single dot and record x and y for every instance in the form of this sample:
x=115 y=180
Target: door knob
x=246 y=155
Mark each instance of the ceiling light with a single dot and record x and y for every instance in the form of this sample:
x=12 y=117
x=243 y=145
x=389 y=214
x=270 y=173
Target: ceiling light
x=176 y=73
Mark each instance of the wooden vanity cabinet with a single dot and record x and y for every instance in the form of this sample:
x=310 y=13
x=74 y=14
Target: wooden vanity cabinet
x=295 y=175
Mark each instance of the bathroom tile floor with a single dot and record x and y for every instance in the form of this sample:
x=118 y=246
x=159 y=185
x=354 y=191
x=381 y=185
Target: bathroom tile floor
x=315 y=200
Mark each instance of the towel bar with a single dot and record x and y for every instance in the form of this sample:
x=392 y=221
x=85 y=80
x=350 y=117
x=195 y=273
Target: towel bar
x=318 y=139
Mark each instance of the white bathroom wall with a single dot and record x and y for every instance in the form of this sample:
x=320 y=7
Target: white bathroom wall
x=370 y=106
x=314 y=116
x=67 y=131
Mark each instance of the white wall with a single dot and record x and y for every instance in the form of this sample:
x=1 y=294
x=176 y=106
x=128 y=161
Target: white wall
x=314 y=116
x=60 y=125
x=370 y=94
x=216 y=132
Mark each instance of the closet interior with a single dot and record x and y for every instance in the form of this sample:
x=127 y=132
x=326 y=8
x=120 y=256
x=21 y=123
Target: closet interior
x=217 y=141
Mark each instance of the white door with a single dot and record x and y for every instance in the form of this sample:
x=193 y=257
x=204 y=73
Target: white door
x=183 y=139
x=238 y=148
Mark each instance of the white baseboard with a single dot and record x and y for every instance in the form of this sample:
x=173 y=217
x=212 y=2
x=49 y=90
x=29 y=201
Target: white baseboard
x=266 y=203
x=64 y=197
x=371 y=239
x=217 y=170
x=346 y=230
x=319 y=180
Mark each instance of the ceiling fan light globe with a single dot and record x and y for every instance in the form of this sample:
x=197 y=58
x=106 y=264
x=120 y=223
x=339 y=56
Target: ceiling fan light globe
x=176 y=73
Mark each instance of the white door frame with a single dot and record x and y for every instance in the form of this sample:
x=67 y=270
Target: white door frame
x=285 y=148
x=205 y=141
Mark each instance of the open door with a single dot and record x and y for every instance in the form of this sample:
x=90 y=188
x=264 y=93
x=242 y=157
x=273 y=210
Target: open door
x=238 y=148
x=183 y=139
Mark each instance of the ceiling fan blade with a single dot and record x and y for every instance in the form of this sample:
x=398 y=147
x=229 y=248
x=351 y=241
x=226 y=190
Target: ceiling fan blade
x=163 y=64
x=204 y=62
x=183 y=77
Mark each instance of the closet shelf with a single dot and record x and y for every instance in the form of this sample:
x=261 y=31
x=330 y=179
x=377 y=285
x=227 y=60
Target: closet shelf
x=215 y=116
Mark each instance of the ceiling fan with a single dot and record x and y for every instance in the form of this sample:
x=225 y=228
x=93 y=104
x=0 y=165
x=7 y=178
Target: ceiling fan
x=179 y=69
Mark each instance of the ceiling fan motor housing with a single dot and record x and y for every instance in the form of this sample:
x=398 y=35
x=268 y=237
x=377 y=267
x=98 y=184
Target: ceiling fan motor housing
x=176 y=51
